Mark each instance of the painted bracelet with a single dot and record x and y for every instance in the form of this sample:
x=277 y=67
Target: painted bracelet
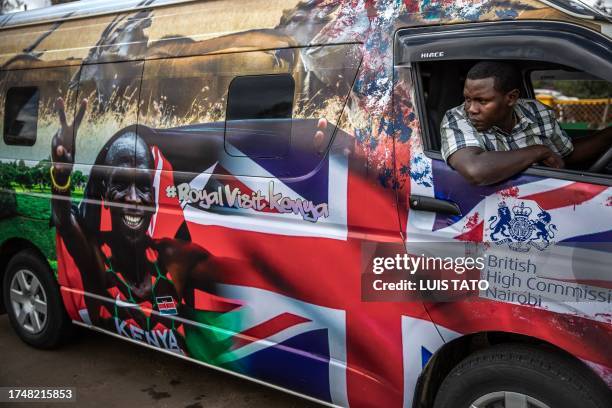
x=57 y=187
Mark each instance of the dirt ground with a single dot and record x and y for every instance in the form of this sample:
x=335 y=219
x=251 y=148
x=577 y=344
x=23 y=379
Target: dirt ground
x=108 y=372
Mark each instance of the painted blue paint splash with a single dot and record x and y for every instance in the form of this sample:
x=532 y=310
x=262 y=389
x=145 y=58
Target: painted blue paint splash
x=385 y=176
x=373 y=143
x=431 y=11
x=405 y=133
x=507 y=14
x=420 y=171
x=361 y=135
x=385 y=126
x=402 y=125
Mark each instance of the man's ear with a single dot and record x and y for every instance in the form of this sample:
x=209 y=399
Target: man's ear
x=512 y=97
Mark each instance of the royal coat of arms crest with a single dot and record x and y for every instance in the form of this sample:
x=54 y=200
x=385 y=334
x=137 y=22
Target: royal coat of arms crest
x=519 y=229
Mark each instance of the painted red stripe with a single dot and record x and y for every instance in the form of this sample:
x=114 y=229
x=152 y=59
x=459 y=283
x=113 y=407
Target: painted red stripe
x=572 y=194
x=213 y=303
x=267 y=328
x=332 y=279
x=473 y=235
x=584 y=338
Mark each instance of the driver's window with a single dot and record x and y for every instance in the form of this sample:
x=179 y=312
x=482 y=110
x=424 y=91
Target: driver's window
x=582 y=103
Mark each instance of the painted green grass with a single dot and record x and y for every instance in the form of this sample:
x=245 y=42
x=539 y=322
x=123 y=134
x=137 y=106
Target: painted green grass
x=77 y=193
x=32 y=224
x=35 y=207
x=36 y=231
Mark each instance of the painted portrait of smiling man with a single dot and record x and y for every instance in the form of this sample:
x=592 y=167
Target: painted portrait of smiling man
x=137 y=284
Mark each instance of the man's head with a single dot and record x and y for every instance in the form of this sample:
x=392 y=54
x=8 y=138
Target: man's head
x=128 y=187
x=491 y=90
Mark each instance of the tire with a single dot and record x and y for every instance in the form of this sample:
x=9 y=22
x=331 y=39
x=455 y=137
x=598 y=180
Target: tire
x=528 y=376
x=28 y=285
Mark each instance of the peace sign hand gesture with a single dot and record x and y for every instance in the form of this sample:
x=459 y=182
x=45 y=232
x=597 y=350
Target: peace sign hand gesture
x=63 y=143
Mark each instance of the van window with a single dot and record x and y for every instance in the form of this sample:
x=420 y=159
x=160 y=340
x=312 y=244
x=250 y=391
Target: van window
x=581 y=101
x=436 y=60
x=21 y=116
x=258 y=119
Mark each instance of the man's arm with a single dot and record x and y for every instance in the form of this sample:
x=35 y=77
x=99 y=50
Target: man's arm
x=189 y=265
x=78 y=244
x=482 y=167
x=590 y=148
x=62 y=154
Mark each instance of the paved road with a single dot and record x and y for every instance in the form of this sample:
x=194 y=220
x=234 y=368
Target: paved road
x=108 y=372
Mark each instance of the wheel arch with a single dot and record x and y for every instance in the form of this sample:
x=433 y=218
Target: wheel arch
x=451 y=353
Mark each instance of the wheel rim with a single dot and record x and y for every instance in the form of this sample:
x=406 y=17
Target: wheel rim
x=29 y=301
x=506 y=399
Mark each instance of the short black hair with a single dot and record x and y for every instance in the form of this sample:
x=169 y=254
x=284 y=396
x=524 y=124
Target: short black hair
x=506 y=76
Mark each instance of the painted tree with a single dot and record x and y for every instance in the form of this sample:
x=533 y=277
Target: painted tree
x=23 y=177
x=8 y=202
x=78 y=180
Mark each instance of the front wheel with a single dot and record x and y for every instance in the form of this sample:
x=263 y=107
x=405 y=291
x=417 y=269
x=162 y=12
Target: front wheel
x=519 y=376
x=33 y=302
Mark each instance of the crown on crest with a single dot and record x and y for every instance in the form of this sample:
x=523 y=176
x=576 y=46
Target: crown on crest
x=521 y=211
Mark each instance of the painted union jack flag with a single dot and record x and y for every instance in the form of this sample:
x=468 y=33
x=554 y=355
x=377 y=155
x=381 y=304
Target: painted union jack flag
x=301 y=323
x=563 y=227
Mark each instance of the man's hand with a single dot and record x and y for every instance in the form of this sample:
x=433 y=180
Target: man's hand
x=62 y=144
x=551 y=159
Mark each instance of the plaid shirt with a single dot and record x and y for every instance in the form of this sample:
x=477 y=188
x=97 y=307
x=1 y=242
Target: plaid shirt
x=537 y=125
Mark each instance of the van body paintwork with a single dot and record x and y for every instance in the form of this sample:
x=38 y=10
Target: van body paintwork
x=287 y=308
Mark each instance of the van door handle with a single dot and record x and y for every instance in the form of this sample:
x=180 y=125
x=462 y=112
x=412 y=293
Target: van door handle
x=423 y=203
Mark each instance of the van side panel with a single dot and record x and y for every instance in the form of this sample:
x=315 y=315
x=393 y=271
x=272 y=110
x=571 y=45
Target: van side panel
x=249 y=264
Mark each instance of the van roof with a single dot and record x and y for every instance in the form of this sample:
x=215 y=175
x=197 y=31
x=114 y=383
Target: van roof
x=86 y=8
x=79 y=9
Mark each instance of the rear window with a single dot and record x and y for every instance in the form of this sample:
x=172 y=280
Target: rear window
x=21 y=116
x=258 y=121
